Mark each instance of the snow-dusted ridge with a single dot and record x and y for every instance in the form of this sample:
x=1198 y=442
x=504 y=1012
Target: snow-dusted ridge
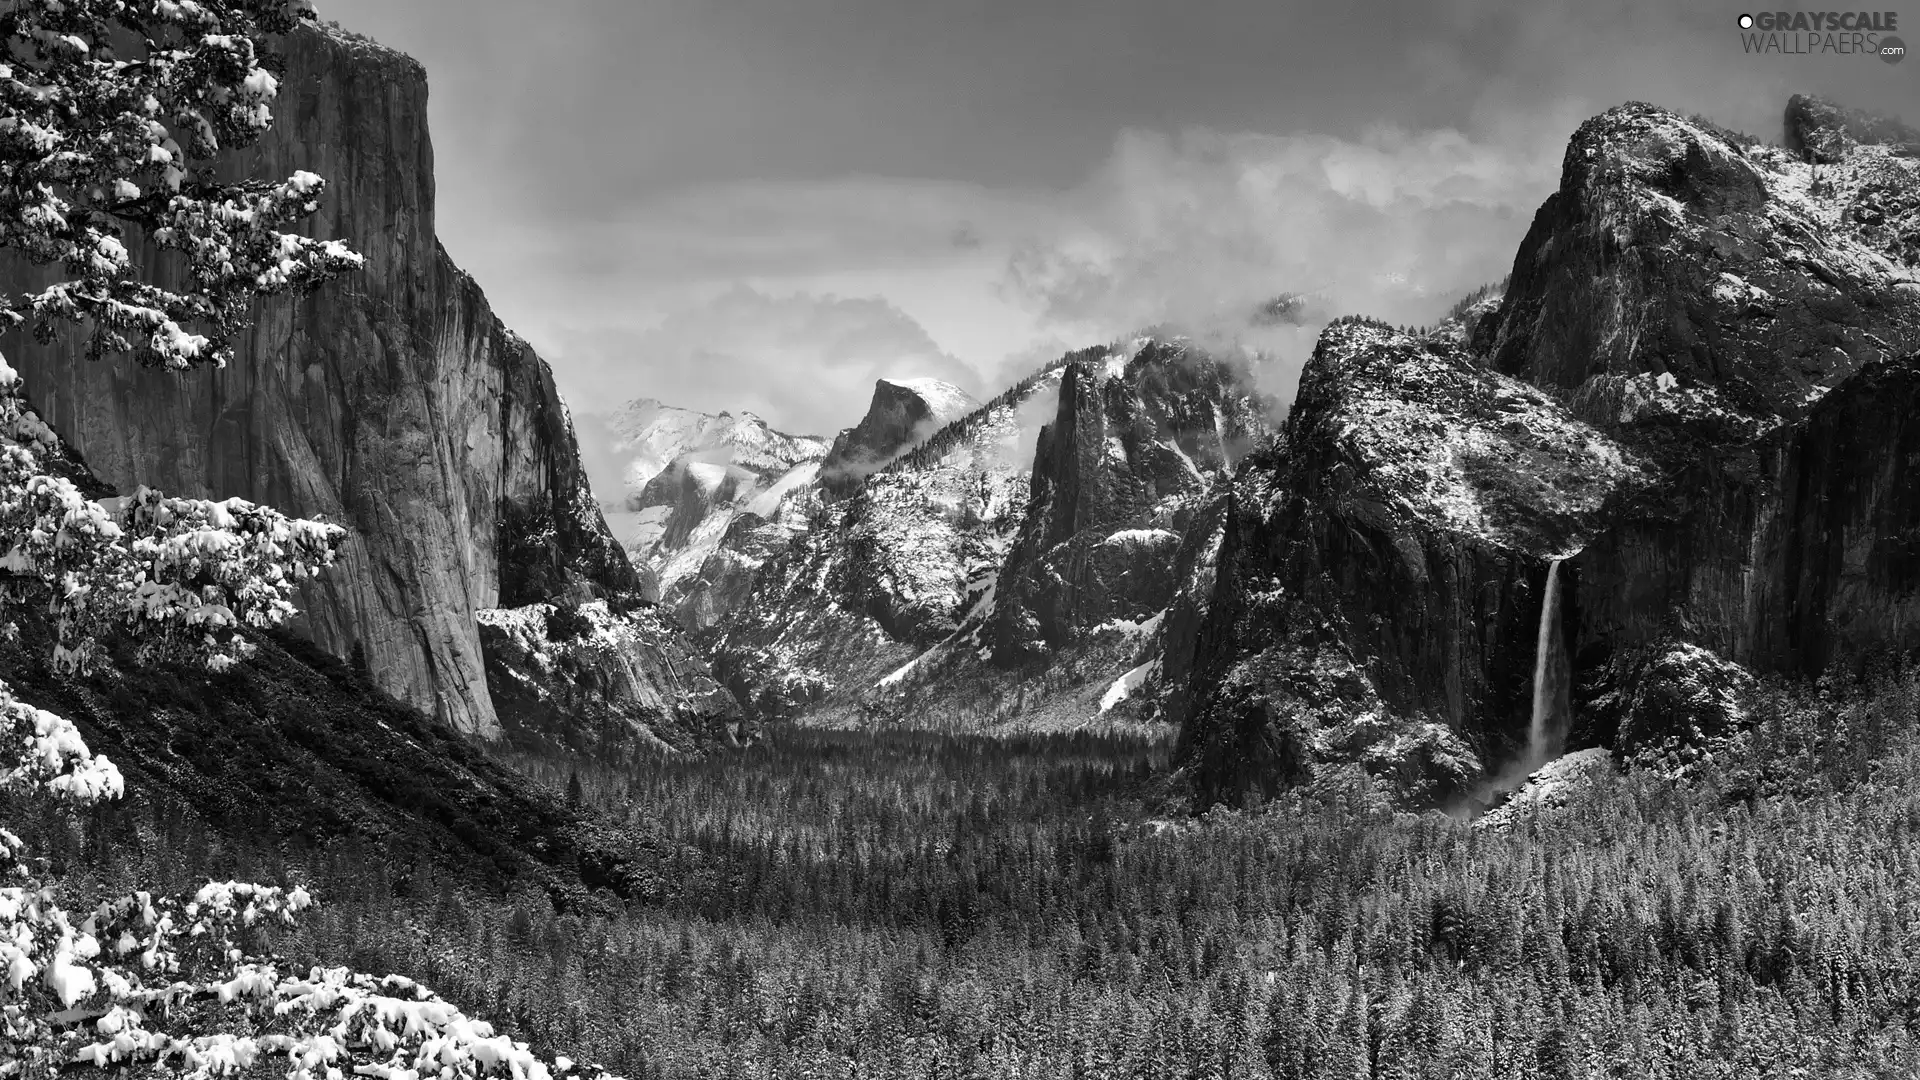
x=1446 y=441
x=897 y=605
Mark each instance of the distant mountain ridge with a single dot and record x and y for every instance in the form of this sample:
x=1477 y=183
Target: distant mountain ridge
x=705 y=498
x=673 y=479
x=903 y=413
x=1015 y=566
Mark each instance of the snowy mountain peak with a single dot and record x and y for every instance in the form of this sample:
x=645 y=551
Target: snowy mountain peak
x=672 y=479
x=944 y=400
x=903 y=413
x=1059 y=506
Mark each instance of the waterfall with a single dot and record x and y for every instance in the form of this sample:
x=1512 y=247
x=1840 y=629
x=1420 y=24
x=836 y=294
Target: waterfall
x=1543 y=737
x=1547 y=730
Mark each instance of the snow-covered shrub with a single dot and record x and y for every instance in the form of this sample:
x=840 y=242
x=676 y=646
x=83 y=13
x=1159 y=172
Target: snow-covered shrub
x=1672 y=703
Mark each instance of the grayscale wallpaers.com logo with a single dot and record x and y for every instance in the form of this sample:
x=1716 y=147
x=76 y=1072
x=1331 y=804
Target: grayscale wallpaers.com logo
x=1845 y=33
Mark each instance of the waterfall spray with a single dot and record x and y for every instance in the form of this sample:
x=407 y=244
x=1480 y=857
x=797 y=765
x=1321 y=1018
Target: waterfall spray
x=1541 y=738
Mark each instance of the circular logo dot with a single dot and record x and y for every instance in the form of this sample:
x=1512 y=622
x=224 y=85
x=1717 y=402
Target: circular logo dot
x=1746 y=22
x=1892 y=49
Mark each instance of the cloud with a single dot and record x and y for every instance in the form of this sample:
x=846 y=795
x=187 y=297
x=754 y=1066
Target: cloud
x=1201 y=227
x=619 y=305
x=788 y=230
x=613 y=165
x=805 y=362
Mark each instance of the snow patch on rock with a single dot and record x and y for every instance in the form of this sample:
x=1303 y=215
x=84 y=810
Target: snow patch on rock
x=1127 y=685
x=1552 y=787
x=946 y=401
x=1142 y=538
x=1454 y=445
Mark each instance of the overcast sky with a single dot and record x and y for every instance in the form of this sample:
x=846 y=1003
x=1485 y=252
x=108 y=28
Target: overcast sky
x=766 y=204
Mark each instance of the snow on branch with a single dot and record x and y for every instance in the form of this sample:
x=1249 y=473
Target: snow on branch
x=184 y=575
x=170 y=985
x=112 y=113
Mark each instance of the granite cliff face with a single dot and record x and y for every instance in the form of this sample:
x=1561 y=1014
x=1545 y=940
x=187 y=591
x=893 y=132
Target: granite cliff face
x=392 y=401
x=1697 y=389
x=902 y=413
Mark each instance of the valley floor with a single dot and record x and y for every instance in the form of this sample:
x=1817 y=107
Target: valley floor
x=915 y=904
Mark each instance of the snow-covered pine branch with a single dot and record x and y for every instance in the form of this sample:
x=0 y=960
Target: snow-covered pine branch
x=182 y=574
x=169 y=983
x=111 y=115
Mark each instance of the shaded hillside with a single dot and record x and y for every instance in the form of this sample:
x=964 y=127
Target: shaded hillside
x=297 y=752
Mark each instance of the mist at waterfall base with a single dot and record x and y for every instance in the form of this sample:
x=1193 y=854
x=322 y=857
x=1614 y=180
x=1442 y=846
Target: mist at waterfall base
x=1547 y=726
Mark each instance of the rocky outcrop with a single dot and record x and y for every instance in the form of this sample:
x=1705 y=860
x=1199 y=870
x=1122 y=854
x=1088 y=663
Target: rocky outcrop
x=391 y=401
x=903 y=412
x=1752 y=280
x=1380 y=573
x=1696 y=388
x=586 y=676
x=1824 y=131
x=1115 y=480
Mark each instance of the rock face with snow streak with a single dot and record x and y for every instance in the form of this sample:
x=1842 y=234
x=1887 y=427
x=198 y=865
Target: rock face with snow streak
x=391 y=401
x=1116 y=478
x=903 y=412
x=890 y=569
x=1700 y=384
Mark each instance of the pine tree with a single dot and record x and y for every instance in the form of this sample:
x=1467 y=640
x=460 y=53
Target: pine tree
x=115 y=111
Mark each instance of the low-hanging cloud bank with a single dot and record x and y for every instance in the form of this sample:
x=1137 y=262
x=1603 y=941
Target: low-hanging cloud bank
x=801 y=360
x=1199 y=229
